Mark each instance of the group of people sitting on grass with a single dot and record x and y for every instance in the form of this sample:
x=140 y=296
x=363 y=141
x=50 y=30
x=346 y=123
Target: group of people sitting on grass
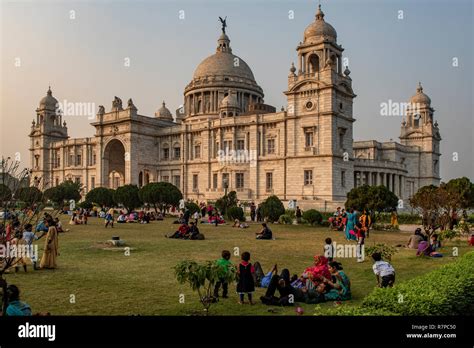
x=323 y=281
x=138 y=217
x=186 y=231
x=425 y=246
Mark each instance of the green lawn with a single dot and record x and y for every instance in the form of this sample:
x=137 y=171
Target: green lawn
x=106 y=282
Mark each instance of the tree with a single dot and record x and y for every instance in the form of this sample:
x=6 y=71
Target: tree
x=128 y=196
x=428 y=202
x=226 y=202
x=373 y=198
x=192 y=207
x=235 y=213
x=29 y=195
x=272 y=208
x=101 y=196
x=66 y=191
x=162 y=195
x=202 y=278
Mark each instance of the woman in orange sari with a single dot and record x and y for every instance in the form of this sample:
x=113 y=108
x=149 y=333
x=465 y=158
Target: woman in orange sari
x=48 y=260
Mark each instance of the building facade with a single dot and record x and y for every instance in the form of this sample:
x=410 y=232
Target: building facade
x=225 y=137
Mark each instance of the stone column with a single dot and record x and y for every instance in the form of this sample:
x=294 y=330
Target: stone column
x=382 y=179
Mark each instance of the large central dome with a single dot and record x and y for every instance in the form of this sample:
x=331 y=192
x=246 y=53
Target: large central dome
x=218 y=76
x=223 y=63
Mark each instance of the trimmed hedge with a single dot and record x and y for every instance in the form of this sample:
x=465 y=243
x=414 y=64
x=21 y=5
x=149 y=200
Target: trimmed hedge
x=448 y=290
x=343 y=309
x=312 y=216
x=285 y=219
x=235 y=213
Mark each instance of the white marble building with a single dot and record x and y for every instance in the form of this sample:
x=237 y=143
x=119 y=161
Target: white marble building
x=305 y=152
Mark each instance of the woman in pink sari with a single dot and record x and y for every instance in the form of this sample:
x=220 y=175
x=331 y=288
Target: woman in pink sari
x=319 y=271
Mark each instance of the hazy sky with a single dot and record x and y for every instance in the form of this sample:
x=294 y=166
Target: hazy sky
x=83 y=58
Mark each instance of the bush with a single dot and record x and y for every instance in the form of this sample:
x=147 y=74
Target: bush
x=285 y=219
x=385 y=250
x=403 y=218
x=192 y=207
x=448 y=290
x=470 y=218
x=85 y=205
x=312 y=216
x=343 y=310
x=291 y=213
x=272 y=208
x=448 y=234
x=235 y=213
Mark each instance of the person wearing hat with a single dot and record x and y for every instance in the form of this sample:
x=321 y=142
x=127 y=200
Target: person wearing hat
x=15 y=306
x=415 y=239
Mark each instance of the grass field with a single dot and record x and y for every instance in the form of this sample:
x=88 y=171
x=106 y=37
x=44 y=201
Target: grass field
x=106 y=282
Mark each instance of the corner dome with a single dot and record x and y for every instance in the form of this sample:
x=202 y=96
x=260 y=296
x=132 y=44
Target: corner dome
x=164 y=112
x=48 y=102
x=320 y=29
x=230 y=101
x=420 y=97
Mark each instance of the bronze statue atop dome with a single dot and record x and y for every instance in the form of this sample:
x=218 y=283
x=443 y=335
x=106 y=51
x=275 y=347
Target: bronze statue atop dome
x=224 y=23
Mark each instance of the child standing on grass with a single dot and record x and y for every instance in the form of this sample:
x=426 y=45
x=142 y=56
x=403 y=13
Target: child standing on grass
x=224 y=263
x=246 y=274
x=360 y=234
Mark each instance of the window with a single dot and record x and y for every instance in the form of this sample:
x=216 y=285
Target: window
x=57 y=182
x=239 y=180
x=227 y=145
x=166 y=154
x=177 y=153
x=92 y=182
x=308 y=177
x=176 y=180
x=94 y=159
x=165 y=178
x=308 y=139
x=37 y=161
x=195 y=182
x=71 y=159
x=342 y=132
x=343 y=178
x=225 y=180
x=78 y=160
x=214 y=180
x=197 y=151
x=270 y=146
x=269 y=182
x=240 y=144
x=78 y=180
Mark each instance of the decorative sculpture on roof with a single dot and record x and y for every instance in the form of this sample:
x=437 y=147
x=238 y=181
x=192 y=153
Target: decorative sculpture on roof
x=224 y=23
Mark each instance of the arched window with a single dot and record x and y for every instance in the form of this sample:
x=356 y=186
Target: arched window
x=231 y=114
x=416 y=120
x=147 y=178
x=313 y=64
x=140 y=179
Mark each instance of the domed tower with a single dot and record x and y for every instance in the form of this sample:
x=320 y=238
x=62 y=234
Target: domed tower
x=320 y=99
x=215 y=77
x=164 y=113
x=419 y=129
x=45 y=130
x=229 y=106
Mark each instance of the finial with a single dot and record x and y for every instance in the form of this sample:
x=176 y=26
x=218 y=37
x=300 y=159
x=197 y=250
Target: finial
x=49 y=90
x=164 y=104
x=64 y=124
x=419 y=89
x=320 y=13
x=292 y=69
x=347 y=72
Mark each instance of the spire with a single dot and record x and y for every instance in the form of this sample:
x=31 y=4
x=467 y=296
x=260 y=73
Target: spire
x=419 y=89
x=319 y=14
x=49 y=91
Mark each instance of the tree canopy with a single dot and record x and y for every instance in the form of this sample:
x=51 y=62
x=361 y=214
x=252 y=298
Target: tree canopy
x=66 y=191
x=272 y=208
x=226 y=202
x=374 y=198
x=161 y=195
x=128 y=196
x=101 y=196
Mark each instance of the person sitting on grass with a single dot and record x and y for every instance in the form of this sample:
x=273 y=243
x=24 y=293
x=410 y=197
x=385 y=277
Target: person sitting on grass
x=415 y=239
x=246 y=276
x=192 y=232
x=239 y=224
x=15 y=306
x=339 y=284
x=265 y=232
x=180 y=233
x=224 y=263
x=384 y=272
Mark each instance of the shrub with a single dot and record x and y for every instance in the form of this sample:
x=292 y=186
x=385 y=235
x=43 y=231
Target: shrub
x=403 y=218
x=448 y=234
x=272 y=208
x=285 y=219
x=85 y=205
x=312 y=216
x=385 y=250
x=235 y=213
x=192 y=207
x=448 y=290
x=291 y=213
x=348 y=310
x=470 y=218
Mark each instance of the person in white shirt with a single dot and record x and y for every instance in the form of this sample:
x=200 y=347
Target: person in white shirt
x=384 y=272
x=29 y=237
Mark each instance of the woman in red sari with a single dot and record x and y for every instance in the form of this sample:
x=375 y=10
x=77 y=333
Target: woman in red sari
x=320 y=269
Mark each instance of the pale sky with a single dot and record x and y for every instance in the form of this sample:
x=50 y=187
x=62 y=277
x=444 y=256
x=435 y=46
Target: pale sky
x=83 y=58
